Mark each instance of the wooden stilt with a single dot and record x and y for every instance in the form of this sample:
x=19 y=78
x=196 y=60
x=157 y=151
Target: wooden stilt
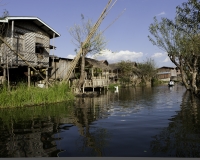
x=92 y=72
x=83 y=89
x=29 y=76
x=46 y=77
x=4 y=75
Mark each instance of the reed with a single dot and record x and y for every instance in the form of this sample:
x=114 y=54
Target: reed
x=24 y=96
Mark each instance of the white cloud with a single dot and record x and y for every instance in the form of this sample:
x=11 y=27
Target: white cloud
x=160 y=14
x=166 y=59
x=156 y=55
x=71 y=56
x=113 y=57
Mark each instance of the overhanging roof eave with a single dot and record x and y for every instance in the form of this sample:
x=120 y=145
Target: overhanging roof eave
x=46 y=27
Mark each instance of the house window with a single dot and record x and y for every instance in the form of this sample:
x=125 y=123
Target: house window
x=39 y=48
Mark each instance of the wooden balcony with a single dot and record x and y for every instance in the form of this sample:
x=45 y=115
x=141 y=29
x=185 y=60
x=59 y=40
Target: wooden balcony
x=35 y=59
x=95 y=82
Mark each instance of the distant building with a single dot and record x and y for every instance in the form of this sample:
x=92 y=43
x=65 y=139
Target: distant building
x=168 y=73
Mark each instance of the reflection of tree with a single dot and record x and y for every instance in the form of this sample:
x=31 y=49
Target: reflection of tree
x=90 y=109
x=181 y=137
x=137 y=94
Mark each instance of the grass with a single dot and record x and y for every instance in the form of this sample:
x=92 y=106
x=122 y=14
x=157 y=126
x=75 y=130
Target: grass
x=112 y=86
x=24 y=96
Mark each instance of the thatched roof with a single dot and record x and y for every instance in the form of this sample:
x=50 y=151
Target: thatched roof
x=96 y=64
x=115 y=66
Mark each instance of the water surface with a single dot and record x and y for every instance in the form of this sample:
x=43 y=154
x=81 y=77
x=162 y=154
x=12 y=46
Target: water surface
x=136 y=122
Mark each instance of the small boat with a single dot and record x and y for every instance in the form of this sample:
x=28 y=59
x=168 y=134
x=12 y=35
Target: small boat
x=171 y=83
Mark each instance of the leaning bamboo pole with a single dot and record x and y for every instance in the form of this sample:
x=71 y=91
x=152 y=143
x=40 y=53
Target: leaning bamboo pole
x=95 y=27
x=8 y=45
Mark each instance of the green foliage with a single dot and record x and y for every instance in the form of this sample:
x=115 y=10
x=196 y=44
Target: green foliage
x=155 y=82
x=24 y=96
x=146 y=71
x=126 y=70
x=126 y=67
x=112 y=86
x=180 y=39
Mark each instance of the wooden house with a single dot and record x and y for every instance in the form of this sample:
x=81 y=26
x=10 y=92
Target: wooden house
x=168 y=73
x=58 y=67
x=30 y=38
x=96 y=74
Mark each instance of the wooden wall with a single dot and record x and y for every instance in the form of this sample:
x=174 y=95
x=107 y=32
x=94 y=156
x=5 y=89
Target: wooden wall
x=60 y=68
x=28 y=34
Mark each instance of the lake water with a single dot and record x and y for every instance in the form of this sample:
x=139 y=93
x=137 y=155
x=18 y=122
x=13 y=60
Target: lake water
x=135 y=122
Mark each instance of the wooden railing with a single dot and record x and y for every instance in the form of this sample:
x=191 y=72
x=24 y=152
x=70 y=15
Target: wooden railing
x=33 y=58
x=94 y=82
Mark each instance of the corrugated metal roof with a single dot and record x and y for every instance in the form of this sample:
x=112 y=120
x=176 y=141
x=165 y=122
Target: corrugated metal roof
x=167 y=67
x=35 y=20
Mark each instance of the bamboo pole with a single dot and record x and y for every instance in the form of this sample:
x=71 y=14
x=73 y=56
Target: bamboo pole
x=97 y=24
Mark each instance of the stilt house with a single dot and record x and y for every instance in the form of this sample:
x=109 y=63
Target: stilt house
x=30 y=38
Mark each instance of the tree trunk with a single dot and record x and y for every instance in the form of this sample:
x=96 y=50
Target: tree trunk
x=183 y=76
x=193 y=85
x=82 y=76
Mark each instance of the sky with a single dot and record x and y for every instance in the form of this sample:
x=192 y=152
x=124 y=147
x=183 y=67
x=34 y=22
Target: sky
x=127 y=38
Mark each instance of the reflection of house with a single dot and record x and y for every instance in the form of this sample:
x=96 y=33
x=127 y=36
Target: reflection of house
x=30 y=38
x=166 y=73
x=27 y=139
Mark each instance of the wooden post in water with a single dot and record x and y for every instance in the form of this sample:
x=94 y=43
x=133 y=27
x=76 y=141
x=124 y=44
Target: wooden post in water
x=29 y=76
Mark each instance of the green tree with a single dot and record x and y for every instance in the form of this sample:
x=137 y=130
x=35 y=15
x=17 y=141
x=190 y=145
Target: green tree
x=180 y=39
x=126 y=71
x=146 y=70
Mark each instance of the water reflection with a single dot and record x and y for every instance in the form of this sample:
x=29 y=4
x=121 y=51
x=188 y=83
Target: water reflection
x=35 y=131
x=28 y=132
x=93 y=139
x=182 y=136
x=126 y=123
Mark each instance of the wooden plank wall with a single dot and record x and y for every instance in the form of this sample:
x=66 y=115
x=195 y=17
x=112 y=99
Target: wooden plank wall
x=27 y=32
